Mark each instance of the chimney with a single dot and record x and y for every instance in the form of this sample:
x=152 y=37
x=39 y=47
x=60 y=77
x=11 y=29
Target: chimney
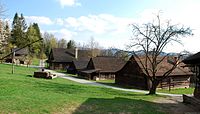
x=76 y=53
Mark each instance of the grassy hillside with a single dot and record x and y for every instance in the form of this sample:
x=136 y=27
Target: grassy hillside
x=20 y=93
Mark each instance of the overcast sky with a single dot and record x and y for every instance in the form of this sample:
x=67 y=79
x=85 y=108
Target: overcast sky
x=107 y=20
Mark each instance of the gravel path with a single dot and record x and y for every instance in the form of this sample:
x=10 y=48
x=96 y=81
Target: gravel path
x=83 y=81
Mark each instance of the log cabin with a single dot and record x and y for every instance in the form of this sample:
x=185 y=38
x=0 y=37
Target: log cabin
x=61 y=58
x=194 y=63
x=78 y=65
x=20 y=56
x=133 y=74
x=102 y=67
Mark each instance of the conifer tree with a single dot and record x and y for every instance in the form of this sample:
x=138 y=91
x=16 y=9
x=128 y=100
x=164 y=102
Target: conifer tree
x=19 y=27
x=33 y=34
x=71 y=44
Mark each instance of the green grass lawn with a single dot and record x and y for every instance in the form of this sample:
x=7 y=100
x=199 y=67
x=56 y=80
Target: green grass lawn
x=106 y=81
x=172 y=91
x=20 y=93
x=177 y=91
x=35 y=61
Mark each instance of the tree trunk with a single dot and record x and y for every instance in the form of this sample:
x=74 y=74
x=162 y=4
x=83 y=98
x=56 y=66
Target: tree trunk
x=153 y=87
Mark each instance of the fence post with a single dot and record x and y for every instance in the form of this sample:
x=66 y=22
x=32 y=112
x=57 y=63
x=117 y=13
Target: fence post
x=13 y=57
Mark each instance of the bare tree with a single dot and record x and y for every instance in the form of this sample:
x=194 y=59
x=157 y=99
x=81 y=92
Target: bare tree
x=108 y=52
x=122 y=54
x=152 y=38
x=2 y=10
x=94 y=47
x=49 y=42
x=62 y=43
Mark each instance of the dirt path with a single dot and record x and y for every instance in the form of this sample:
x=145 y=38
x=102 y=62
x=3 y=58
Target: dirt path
x=175 y=105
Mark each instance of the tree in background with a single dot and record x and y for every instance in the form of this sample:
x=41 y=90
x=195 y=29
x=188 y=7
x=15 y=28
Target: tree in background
x=4 y=31
x=49 y=42
x=114 y=52
x=7 y=34
x=53 y=42
x=38 y=45
x=33 y=34
x=2 y=37
x=122 y=54
x=62 y=43
x=20 y=36
x=108 y=52
x=2 y=10
x=153 y=38
x=18 y=33
x=94 y=47
x=71 y=44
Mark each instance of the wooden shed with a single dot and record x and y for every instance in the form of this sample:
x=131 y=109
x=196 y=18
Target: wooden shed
x=102 y=67
x=20 y=56
x=132 y=74
x=194 y=63
x=61 y=58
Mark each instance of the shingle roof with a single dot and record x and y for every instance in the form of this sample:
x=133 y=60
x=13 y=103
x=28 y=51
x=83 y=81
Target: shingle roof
x=108 y=64
x=163 y=67
x=23 y=51
x=81 y=63
x=193 y=59
x=67 y=55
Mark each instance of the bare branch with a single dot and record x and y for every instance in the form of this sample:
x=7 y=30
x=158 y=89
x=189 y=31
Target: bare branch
x=137 y=29
x=152 y=38
x=2 y=10
x=143 y=66
x=174 y=66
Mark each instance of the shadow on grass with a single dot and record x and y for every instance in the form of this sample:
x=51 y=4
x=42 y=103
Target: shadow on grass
x=117 y=105
x=29 y=75
x=70 y=88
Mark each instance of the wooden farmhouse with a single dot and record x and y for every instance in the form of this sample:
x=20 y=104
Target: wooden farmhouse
x=61 y=58
x=102 y=67
x=78 y=65
x=20 y=56
x=132 y=74
x=194 y=63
